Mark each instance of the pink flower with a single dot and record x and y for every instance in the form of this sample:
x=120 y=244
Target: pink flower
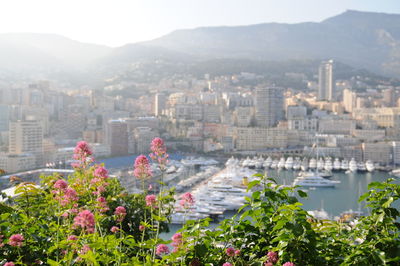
x=151 y=200
x=114 y=229
x=120 y=212
x=237 y=252
x=159 y=152
x=102 y=204
x=176 y=240
x=101 y=172
x=70 y=194
x=272 y=257
x=230 y=252
x=226 y=264
x=142 y=167
x=16 y=240
x=85 y=249
x=162 y=249
x=187 y=200
x=268 y=264
x=141 y=228
x=85 y=219
x=289 y=264
x=10 y=263
x=60 y=184
x=72 y=238
x=83 y=148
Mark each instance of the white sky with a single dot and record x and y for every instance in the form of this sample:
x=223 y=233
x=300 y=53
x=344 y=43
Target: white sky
x=117 y=22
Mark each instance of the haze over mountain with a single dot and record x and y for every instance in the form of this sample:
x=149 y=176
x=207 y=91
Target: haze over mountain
x=361 y=39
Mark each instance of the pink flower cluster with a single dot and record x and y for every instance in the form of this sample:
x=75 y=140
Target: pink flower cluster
x=177 y=241
x=142 y=167
x=162 y=249
x=232 y=252
x=16 y=240
x=72 y=238
x=64 y=193
x=102 y=204
x=120 y=213
x=227 y=264
x=151 y=200
x=187 y=200
x=159 y=152
x=85 y=220
x=82 y=152
x=114 y=229
x=289 y=264
x=10 y=263
x=101 y=172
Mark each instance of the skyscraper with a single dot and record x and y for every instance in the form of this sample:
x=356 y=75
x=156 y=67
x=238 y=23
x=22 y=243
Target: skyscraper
x=26 y=137
x=117 y=137
x=325 y=79
x=269 y=106
x=159 y=103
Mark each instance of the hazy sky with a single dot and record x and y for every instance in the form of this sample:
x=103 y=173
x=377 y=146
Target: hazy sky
x=116 y=22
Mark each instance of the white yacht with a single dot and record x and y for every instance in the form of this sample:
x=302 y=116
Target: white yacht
x=320 y=164
x=337 y=166
x=353 y=165
x=181 y=218
x=289 y=163
x=304 y=165
x=281 y=163
x=311 y=179
x=328 y=165
x=361 y=167
x=297 y=164
x=274 y=164
x=252 y=163
x=313 y=163
x=345 y=165
x=267 y=162
x=246 y=162
x=370 y=166
x=259 y=163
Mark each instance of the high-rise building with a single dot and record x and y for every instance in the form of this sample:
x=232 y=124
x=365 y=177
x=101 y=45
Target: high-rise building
x=325 y=78
x=117 y=137
x=159 y=103
x=4 y=117
x=26 y=137
x=268 y=106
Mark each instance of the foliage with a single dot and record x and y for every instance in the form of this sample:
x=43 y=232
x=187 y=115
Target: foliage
x=89 y=219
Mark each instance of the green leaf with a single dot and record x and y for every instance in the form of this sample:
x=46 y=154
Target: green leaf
x=302 y=193
x=201 y=250
x=52 y=262
x=388 y=202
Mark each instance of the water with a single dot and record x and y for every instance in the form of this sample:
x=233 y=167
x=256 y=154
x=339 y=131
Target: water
x=338 y=199
x=127 y=161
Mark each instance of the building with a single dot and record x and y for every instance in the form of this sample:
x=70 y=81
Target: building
x=159 y=103
x=25 y=137
x=12 y=163
x=4 y=117
x=380 y=152
x=349 y=100
x=257 y=138
x=325 y=81
x=117 y=137
x=143 y=137
x=268 y=106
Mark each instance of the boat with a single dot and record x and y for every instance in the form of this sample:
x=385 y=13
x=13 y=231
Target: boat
x=281 y=163
x=246 y=162
x=348 y=216
x=328 y=165
x=319 y=214
x=320 y=164
x=289 y=163
x=370 y=166
x=252 y=163
x=361 y=167
x=267 y=163
x=311 y=179
x=274 y=164
x=313 y=163
x=345 y=165
x=337 y=166
x=304 y=165
x=259 y=163
x=353 y=165
x=297 y=164
x=181 y=218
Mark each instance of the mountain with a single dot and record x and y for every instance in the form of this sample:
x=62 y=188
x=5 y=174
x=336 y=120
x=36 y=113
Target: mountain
x=361 y=39
x=33 y=51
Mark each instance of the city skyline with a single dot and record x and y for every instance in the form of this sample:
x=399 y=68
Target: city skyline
x=131 y=22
